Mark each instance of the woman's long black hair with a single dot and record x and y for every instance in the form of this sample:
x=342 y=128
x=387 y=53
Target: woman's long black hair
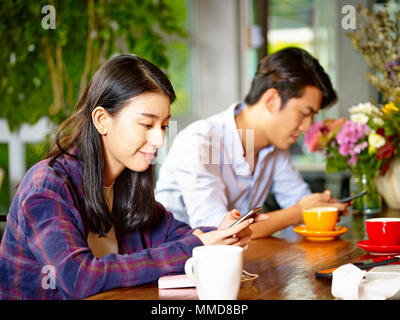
x=118 y=80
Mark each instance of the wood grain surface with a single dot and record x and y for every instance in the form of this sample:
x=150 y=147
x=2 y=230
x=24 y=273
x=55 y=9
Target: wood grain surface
x=286 y=264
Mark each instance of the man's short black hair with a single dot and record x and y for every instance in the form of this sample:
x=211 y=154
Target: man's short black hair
x=289 y=71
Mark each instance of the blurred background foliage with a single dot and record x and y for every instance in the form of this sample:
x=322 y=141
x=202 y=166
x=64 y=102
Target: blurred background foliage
x=43 y=71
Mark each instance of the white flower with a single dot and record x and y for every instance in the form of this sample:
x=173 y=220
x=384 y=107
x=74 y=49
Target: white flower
x=359 y=118
x=366 y=108
x=378 y=121
x=375 y=140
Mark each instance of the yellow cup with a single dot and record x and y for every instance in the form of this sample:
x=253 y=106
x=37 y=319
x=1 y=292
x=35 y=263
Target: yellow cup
x=320 y=218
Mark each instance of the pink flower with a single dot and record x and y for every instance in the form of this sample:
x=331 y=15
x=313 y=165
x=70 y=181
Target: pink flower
x=312 y=135
x=360 y=147
x=352 y=131
x=353 y=160
x=345 y=149
x=321 y=133
x=338 y=123
x=348 y=137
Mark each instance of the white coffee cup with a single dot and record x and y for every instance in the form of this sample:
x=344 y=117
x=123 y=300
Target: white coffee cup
x=216 y=271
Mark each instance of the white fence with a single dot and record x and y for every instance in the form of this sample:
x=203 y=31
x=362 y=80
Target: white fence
x=16 y=146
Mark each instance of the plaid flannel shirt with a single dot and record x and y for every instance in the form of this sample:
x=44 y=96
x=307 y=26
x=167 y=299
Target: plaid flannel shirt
x=44 y=252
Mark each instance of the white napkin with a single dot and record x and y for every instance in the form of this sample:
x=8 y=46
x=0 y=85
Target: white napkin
x=352 y=283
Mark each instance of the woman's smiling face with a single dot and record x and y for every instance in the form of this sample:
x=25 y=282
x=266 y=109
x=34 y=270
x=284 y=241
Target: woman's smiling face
x=132 y=136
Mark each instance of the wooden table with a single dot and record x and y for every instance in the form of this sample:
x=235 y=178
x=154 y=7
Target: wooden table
x=285 y=262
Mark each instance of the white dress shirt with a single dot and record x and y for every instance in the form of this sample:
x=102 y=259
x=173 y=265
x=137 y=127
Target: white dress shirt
x=205 y=174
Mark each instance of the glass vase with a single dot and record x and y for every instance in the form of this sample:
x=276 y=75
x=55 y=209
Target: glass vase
x=371 y=203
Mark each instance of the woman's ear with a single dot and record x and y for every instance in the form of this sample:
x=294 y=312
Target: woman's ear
x=271 y=100
x=101 y=120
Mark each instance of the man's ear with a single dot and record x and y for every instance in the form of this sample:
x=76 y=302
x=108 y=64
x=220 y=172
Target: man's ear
x=271 y=100
x=101 y=120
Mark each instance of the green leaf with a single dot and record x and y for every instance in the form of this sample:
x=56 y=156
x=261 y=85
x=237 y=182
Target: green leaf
x=335 y=163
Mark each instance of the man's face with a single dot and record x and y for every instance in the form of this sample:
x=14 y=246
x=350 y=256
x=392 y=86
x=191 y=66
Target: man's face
x=294 y=118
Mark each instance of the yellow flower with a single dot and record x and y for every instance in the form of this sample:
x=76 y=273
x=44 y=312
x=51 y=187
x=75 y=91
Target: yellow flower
x=390 y=107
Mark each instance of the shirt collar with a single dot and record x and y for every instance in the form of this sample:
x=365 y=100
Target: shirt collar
x=233 y=143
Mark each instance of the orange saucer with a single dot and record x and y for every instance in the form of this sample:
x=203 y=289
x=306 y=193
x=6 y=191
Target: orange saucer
x=320 y=235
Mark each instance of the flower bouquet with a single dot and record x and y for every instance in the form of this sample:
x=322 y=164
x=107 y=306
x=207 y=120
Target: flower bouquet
x=362 y=145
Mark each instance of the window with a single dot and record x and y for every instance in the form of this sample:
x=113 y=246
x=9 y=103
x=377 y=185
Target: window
x=308 y=24
x=291 y=24
x=179 y=55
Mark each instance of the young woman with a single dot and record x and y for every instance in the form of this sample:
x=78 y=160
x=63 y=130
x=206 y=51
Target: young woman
x=85 y=220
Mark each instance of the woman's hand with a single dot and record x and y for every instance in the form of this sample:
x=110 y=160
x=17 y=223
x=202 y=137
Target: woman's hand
x=234 y=215
x=238 y=235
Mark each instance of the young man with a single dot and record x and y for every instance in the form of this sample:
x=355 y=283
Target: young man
x=235 y=158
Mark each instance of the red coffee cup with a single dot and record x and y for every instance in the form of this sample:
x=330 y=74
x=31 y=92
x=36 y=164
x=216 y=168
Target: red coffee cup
x=384 y=231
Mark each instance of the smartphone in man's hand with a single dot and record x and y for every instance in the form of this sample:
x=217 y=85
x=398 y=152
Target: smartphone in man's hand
x=348 y=199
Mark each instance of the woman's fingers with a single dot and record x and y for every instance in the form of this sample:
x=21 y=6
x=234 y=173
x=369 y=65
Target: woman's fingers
x=244 y=233
x=245 y=241
x=229 y=218
x=239 y=234
x=228 y=232
x=235 y=214
x=230 y=241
